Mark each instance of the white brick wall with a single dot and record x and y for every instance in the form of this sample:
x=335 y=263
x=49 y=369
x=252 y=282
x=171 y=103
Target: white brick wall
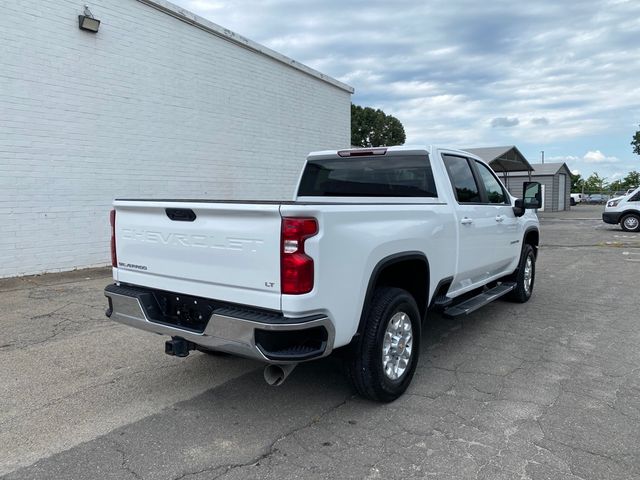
x=150 y=106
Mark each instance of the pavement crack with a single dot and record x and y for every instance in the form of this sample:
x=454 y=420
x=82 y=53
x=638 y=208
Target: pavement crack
x=268 y=451
x=585 y=450
x=48 y=314
x=118 y=448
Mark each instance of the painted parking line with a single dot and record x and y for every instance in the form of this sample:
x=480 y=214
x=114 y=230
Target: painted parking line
x=632 y=256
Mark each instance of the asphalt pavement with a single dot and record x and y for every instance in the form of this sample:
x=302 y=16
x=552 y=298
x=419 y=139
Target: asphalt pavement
x=545 y=390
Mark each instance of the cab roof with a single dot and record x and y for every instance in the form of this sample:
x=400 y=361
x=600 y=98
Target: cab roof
x=365 y=151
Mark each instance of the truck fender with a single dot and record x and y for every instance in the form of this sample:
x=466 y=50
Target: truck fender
x=380 y=267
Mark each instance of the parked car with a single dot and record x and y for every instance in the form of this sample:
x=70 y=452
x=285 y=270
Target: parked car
x=624 y=211
x=374 y=239
x=597 y=198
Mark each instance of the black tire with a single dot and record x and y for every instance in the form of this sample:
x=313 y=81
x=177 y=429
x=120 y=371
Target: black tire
x=365 y=361
x=523 y=290
x=572 y=202
x=630 y=222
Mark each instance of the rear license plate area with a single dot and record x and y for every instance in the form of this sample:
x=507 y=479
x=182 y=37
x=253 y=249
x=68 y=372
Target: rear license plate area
x=183 y=311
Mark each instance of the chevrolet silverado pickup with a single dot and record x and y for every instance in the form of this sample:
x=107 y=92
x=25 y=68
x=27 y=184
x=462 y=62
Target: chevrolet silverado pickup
x=373 y=241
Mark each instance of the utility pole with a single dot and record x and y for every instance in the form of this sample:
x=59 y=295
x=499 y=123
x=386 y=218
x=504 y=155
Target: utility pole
x=542 y=152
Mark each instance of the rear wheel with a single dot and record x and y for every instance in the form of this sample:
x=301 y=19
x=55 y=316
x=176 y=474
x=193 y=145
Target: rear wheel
x=525 y=276
x=630 y=223
x=384 y=357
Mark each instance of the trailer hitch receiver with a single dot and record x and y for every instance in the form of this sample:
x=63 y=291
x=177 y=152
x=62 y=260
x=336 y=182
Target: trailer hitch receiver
x=178 y=347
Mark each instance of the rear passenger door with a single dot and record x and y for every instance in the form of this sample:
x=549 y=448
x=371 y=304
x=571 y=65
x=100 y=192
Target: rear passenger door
x=477 y=229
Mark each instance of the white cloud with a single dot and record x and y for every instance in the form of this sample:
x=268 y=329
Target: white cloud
x=434 y=66
x=591 y=159
x=598 y=157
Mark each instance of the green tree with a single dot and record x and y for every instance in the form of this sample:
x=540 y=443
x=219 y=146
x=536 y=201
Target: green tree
x=635 y=142
x=576 y=183
x=617 y=186
x=632 y=179
x=595 y=183
x=374 y=128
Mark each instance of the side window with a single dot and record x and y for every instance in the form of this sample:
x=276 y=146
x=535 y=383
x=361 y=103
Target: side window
x=462 y=180
x=635 y=198
x=495 y=193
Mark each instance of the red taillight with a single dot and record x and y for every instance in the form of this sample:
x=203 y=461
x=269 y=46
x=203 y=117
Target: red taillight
x=296 y=267
x=112 y=220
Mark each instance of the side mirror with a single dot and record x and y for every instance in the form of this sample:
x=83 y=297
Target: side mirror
x=518 y=207
x=532 y=192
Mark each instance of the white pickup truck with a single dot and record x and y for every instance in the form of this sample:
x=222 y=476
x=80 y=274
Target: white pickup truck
x=374 y=240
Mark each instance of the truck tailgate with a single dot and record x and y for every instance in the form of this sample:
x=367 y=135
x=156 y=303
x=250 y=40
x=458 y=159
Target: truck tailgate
x=229 y=251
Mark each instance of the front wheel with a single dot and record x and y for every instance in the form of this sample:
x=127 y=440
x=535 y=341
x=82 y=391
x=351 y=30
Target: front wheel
x=630 y=223
x=525 y=276
x=384 y=357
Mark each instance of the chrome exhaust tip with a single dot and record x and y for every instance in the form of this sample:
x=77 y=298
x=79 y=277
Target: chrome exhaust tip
x=275 y=375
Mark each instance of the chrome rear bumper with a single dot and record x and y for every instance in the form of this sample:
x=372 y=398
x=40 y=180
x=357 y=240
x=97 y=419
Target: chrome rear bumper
x=227 y=332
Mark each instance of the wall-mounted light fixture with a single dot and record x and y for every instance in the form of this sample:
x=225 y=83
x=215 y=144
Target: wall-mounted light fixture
x=87 y=21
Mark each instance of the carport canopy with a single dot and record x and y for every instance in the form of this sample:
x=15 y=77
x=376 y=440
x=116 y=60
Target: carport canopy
x=503 y=159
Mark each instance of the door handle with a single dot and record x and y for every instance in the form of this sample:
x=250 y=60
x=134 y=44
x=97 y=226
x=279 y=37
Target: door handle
x=466 y=221
x=500 y=218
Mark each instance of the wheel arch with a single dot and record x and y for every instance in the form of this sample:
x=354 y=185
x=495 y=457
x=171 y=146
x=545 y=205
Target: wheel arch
x=630 y=212
x=407 y=270
x=532 y=237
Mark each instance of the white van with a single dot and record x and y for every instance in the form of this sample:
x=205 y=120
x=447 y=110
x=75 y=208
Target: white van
x=624 y=211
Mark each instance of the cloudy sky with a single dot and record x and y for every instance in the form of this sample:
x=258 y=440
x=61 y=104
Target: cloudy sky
x=555 y=75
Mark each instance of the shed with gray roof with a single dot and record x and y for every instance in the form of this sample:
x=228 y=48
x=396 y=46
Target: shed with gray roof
x=502 y=159
x=555 y=179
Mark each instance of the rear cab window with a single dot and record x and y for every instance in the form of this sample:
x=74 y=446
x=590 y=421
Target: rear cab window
x=369 y=176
